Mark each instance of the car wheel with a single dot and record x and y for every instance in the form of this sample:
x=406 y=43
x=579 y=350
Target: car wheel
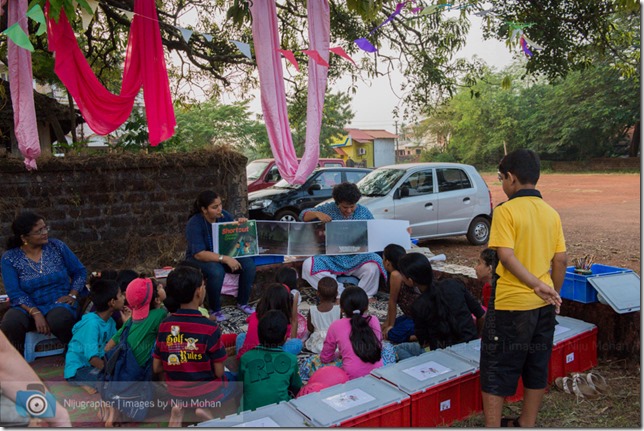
x=479 y=231
x=286 y=215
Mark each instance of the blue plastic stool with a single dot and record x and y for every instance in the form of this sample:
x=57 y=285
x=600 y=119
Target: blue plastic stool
x=32 y=339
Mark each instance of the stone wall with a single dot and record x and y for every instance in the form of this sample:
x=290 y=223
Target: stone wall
x=121 y=211
x=599 y=164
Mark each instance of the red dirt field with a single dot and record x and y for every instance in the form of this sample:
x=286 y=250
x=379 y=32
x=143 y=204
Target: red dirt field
x=600 y=215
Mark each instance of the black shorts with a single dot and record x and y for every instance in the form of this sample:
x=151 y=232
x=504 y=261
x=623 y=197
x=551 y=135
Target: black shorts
x=516 y=343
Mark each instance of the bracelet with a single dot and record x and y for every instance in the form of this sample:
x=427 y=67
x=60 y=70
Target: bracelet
x=221 y=258
x=71 y=295
x=32 y=312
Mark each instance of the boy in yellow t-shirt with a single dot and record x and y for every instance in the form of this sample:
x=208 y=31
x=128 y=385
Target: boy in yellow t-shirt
x=519 y=328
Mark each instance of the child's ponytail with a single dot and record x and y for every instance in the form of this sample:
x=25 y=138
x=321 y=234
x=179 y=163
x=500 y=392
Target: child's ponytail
x=365 y=343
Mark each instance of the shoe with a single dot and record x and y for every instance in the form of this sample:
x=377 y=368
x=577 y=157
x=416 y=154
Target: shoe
x=246 y=308
x=582 y=388
x=219 y=316
x=597 y=382
x=564 y=384
x=510 y=423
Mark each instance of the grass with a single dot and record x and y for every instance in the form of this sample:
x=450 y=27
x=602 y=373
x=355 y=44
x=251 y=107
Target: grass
x=620 y=408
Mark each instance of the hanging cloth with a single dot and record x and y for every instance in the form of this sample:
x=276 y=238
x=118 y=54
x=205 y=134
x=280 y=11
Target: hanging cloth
x=22 y=90
x=144 y=66
x=273 y=94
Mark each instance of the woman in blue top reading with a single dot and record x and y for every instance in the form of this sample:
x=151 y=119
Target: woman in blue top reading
x=44 y=281
x=366 y=266
x=207 y=210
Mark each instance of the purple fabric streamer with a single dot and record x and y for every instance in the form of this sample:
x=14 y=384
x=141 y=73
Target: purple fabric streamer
x=524 y=45
x=365 y=45
x=399 y=8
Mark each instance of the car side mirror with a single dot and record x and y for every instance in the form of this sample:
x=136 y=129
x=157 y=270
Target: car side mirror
x=314 y=187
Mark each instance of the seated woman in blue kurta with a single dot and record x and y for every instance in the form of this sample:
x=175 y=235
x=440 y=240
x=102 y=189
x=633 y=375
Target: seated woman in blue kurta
x=367 y=266
x=44 y=281
x=207 y=210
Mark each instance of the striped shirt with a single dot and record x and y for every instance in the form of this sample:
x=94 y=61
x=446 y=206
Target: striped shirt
x=189 y=345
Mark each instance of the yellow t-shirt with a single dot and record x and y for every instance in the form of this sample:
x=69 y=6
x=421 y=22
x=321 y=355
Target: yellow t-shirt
x=532 y=228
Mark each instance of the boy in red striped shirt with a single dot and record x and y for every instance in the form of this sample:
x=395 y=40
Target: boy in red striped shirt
x=190 y=351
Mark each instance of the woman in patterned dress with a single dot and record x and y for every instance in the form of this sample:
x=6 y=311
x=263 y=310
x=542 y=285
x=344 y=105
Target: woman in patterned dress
x=367 y=267
x=44 y=281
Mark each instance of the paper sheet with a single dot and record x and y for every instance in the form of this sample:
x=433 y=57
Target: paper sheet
x=426 y=371
x=348 y=400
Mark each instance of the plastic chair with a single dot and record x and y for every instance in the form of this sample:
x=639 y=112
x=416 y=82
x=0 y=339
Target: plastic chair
x=32 y=339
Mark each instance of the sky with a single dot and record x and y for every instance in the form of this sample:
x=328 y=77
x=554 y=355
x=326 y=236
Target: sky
x=374 y=102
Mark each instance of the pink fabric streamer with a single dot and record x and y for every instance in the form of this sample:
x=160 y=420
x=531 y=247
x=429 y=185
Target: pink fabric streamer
x=144 y=66
x=2 y=2
x=288 y=54
x=315 y=56
x=273 y=94
x=22 y=91
x=342 y=53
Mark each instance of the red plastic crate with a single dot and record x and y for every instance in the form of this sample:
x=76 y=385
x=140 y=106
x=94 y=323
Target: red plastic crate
x=392 y=416
x=445 y=403
x=574 y=355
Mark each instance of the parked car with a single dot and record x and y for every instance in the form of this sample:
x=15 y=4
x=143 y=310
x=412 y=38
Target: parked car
x=263 y=173
x=285 y=201
x=438 y=199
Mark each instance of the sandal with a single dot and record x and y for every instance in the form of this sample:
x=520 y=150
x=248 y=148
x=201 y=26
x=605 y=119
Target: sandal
x=564 y=384
x=582 y=388
x=246 y=308
x=218 y=316
x=597 y=382
x=510 y=423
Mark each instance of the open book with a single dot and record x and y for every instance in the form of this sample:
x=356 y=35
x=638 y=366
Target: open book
x=259 y=237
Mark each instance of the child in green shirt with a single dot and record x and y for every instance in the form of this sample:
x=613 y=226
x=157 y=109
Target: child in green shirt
x=269 y=374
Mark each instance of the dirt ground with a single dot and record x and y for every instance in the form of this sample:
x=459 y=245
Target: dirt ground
x=600 y=215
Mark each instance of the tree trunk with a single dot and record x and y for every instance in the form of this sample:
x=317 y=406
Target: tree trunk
x=72 y=117
x=634 y=148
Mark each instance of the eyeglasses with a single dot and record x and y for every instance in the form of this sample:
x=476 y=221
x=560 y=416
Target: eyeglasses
x=500 y=176
x=40 y=231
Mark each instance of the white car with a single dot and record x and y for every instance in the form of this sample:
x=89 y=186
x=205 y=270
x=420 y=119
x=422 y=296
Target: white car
x=438 y=199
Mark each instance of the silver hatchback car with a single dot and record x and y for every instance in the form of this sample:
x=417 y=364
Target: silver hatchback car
x=438 y=199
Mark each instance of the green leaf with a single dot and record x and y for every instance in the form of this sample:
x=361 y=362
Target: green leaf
x=83 y=4
x=506 y=82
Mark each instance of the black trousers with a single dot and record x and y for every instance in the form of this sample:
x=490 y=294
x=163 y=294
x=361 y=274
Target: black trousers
x=16 y=324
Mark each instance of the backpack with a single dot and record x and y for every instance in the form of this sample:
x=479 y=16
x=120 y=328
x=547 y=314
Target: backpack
x=125 y=384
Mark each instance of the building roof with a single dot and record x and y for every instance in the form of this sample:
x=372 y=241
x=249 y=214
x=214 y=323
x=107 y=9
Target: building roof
x=369 y=134
x=47 y=108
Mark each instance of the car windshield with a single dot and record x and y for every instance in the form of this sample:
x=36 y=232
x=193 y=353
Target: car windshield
x=379 y=182
x=282 y=184
x=255 y=169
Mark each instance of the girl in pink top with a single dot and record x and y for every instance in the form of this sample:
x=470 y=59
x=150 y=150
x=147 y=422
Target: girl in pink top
x=356 y=337
x=275 y=296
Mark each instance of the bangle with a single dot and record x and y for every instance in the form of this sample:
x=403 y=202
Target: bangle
x=71 y=295
x=221 y=258
x=32 y=312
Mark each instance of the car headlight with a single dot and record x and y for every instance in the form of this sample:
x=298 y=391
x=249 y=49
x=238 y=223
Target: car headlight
x=259 y=204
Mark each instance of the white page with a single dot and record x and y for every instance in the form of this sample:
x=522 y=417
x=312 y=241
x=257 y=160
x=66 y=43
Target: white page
x=348 y=400
x=385 y=232
x=426 y=371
